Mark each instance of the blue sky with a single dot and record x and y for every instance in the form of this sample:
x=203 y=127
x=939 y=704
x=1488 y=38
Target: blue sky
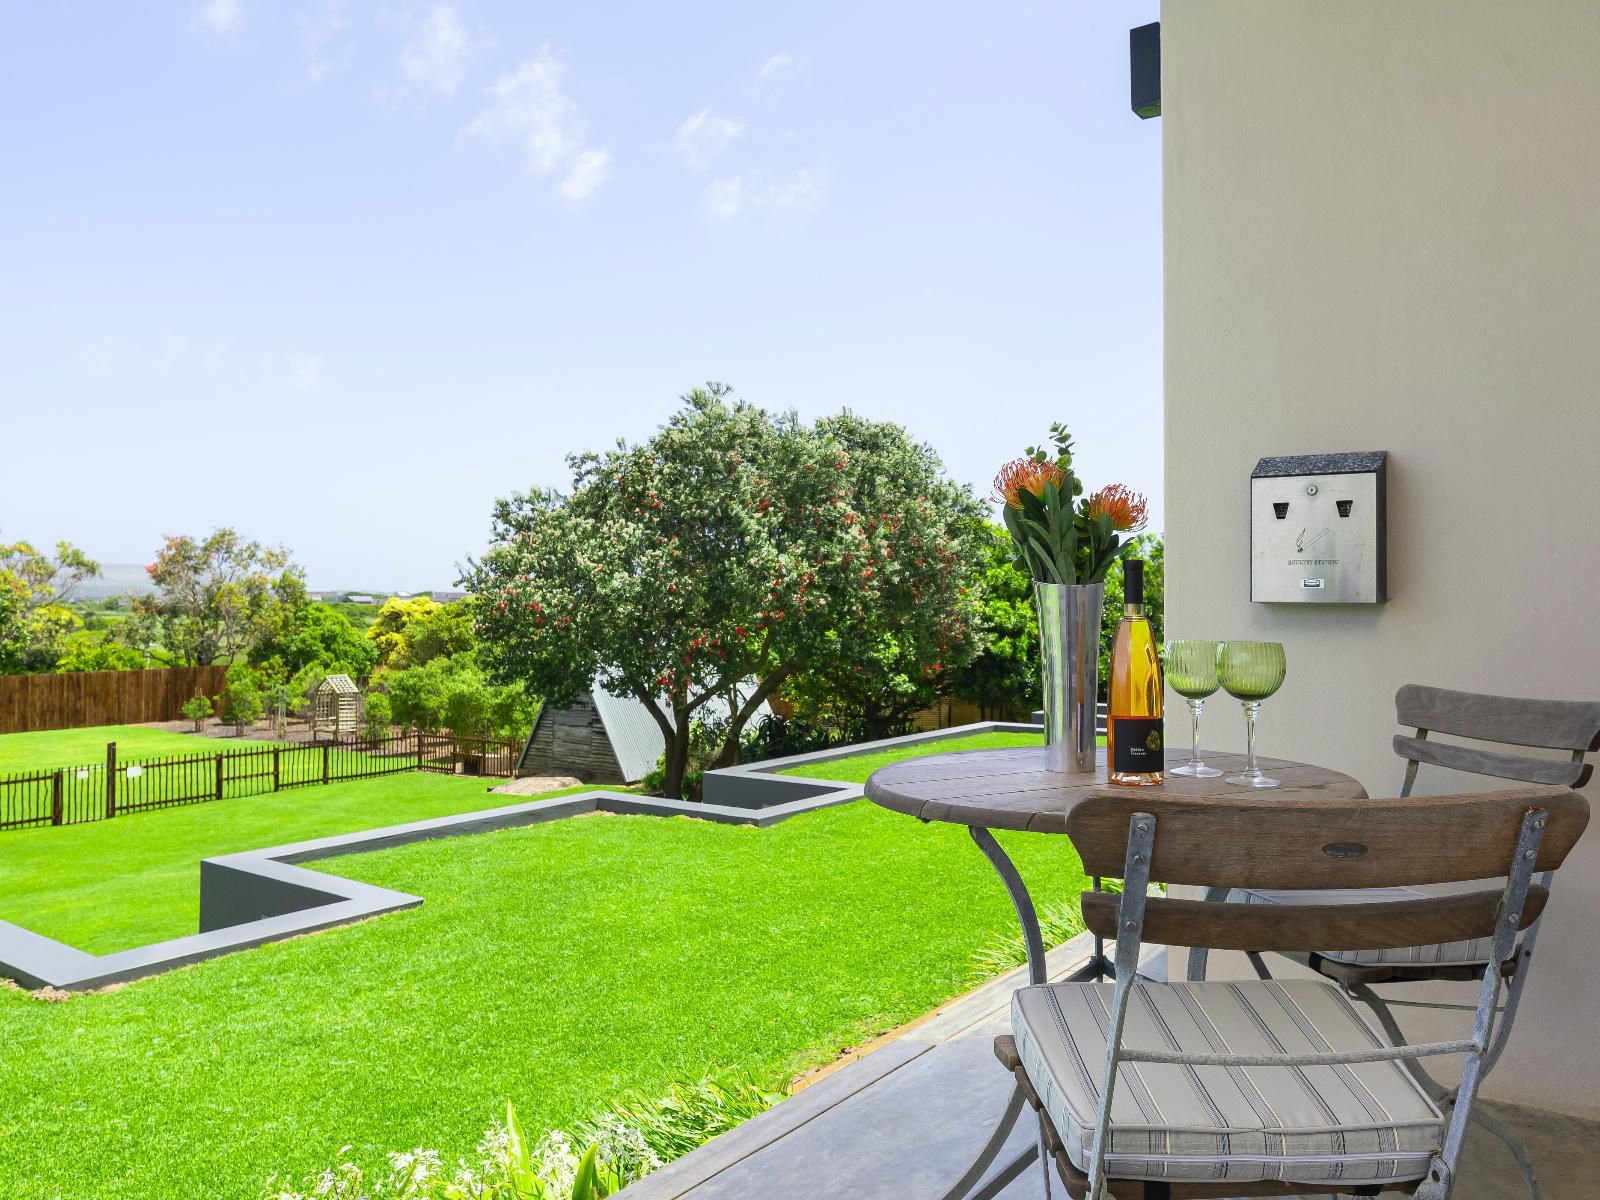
x=338 y=274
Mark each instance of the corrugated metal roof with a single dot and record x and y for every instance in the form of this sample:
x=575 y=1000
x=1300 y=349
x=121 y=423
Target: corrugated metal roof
x=636 y=738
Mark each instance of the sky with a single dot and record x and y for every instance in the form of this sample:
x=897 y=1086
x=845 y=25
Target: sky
x=339 y=274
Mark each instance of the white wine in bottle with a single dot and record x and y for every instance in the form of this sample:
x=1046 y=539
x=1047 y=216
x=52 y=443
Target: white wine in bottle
x=1135 y=745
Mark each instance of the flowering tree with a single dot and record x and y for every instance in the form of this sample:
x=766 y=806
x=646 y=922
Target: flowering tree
x=732 y=552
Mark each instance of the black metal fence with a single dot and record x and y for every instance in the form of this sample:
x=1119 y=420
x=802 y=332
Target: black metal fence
x=100 y=791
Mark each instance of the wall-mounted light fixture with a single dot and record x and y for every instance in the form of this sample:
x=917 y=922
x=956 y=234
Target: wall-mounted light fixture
x=1144 y=69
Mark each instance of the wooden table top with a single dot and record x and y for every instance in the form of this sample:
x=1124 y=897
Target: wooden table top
x=1010 y=789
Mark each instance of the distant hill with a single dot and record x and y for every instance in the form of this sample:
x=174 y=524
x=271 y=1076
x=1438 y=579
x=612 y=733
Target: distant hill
x=116 y=579
x=131 y=579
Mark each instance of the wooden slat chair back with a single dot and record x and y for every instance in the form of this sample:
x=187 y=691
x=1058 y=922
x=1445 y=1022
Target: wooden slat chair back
x=1269 y=843
x=1278 y=844
x=1570 y=725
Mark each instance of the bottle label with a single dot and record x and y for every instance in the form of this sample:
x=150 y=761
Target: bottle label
x=1138 y=745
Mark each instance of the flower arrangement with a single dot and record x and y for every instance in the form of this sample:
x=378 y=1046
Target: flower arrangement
x=1059 y=536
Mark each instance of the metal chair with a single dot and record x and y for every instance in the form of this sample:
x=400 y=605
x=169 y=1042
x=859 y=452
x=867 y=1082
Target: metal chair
x=1268 y=1087
x=1567 y=725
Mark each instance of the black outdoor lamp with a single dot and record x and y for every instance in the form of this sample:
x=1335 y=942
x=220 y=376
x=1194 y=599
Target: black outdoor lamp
x=1144 y=69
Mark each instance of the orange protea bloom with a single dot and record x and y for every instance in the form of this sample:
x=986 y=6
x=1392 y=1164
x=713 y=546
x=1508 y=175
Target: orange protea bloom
x=1122 y=504
x=1025 y=475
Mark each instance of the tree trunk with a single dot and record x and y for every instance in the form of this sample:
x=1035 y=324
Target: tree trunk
x=728 y=755
x=677 y=754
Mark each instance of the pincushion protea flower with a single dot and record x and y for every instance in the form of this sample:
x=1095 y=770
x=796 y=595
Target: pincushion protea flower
x=1025 y=475
x=1059 y=535
x=1122 y=504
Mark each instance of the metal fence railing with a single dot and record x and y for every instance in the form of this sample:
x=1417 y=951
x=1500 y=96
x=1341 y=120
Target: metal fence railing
x=101 y=791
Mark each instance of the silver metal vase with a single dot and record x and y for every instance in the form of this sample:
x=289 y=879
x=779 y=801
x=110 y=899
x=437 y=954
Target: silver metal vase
x=1069 y=643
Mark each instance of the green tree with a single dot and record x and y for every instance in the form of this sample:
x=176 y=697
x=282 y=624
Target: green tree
x=1003 y=677
x=387 y=631
x=718 y=559
x=1149 y=547
x=455 y=694
x=442 y=632
x=95 y=652
x=903 y=609
x=322 y=635
x=34 y=590
x=220 y=595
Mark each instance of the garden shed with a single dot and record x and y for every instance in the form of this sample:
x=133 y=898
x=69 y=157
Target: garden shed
x=336 y=707
x=601 y=738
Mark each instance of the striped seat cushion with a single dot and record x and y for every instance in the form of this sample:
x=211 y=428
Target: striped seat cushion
x=1474 y=953
x=1361 y=1122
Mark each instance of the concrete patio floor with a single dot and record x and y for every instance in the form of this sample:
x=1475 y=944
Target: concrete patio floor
x=907 y=1120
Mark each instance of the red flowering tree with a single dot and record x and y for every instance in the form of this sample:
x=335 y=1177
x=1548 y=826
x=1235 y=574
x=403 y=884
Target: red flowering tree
x=729 y=554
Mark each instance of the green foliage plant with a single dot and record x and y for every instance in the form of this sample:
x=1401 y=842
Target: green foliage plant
x=619 y=1146
x=197 y=709
x=242 y=701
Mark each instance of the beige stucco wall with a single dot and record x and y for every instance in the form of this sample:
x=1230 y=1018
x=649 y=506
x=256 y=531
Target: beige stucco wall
x=1382 y=230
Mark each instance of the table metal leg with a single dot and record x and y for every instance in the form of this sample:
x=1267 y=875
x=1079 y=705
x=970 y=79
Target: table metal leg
x=1020 y=900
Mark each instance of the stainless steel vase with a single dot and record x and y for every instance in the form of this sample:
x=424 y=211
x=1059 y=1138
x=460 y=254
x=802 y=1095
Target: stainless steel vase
x=1069 y=642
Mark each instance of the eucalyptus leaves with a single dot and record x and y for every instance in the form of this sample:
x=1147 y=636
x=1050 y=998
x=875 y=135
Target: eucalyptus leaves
x=1058 y=537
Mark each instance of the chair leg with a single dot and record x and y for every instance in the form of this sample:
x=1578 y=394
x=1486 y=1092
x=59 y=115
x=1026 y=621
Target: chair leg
x=1044 y=1156
x=1259 y=963
x=991 y=1150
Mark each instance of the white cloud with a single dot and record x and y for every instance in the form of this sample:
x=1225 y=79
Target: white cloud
x=777 y=65
x=588 y=171
x=787 y=199
x=435 y=56
x=530 y=110
x=702 y=137
x=224 y=17
x=321 y=29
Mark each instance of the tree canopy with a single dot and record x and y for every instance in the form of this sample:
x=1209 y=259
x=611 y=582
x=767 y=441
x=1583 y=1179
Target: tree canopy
x=34 y=589
x=725 y=556
x=220 y=595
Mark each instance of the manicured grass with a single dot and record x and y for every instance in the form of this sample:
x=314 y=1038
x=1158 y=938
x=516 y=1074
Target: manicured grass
x=857 y=768
x=135 y=879
x=557 y=965
x=52 y=748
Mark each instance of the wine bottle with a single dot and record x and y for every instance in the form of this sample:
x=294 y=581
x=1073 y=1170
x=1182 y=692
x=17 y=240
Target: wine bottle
x=1135 y=746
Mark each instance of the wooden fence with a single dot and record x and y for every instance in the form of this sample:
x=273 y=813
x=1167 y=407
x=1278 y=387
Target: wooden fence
x=115 y=787
x=79 y=699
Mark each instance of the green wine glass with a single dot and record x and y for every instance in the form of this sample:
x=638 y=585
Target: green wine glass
x=1191 y=671
x=1250 y=672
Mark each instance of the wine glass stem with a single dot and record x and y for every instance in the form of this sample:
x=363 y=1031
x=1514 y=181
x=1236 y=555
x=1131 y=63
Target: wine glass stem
x=1194 y=730
x=1251 y=708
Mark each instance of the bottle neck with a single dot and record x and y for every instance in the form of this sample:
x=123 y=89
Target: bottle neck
x=1133 y=609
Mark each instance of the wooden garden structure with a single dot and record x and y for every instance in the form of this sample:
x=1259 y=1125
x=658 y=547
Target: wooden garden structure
x=336 y=709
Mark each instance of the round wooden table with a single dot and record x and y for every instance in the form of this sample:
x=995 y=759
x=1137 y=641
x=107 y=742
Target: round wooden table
x=987 y=790
x=1011 y=789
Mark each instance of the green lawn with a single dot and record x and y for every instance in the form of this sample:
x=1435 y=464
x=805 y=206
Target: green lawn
x=52 y=748
x=557 y=965
x=114 y=884
x=857 y=768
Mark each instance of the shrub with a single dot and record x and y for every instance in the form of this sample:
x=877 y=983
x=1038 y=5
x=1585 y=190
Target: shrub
x=197 y=709
x=96 y=652
x=379 y=716
x=242 y=701
x=453 y=693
